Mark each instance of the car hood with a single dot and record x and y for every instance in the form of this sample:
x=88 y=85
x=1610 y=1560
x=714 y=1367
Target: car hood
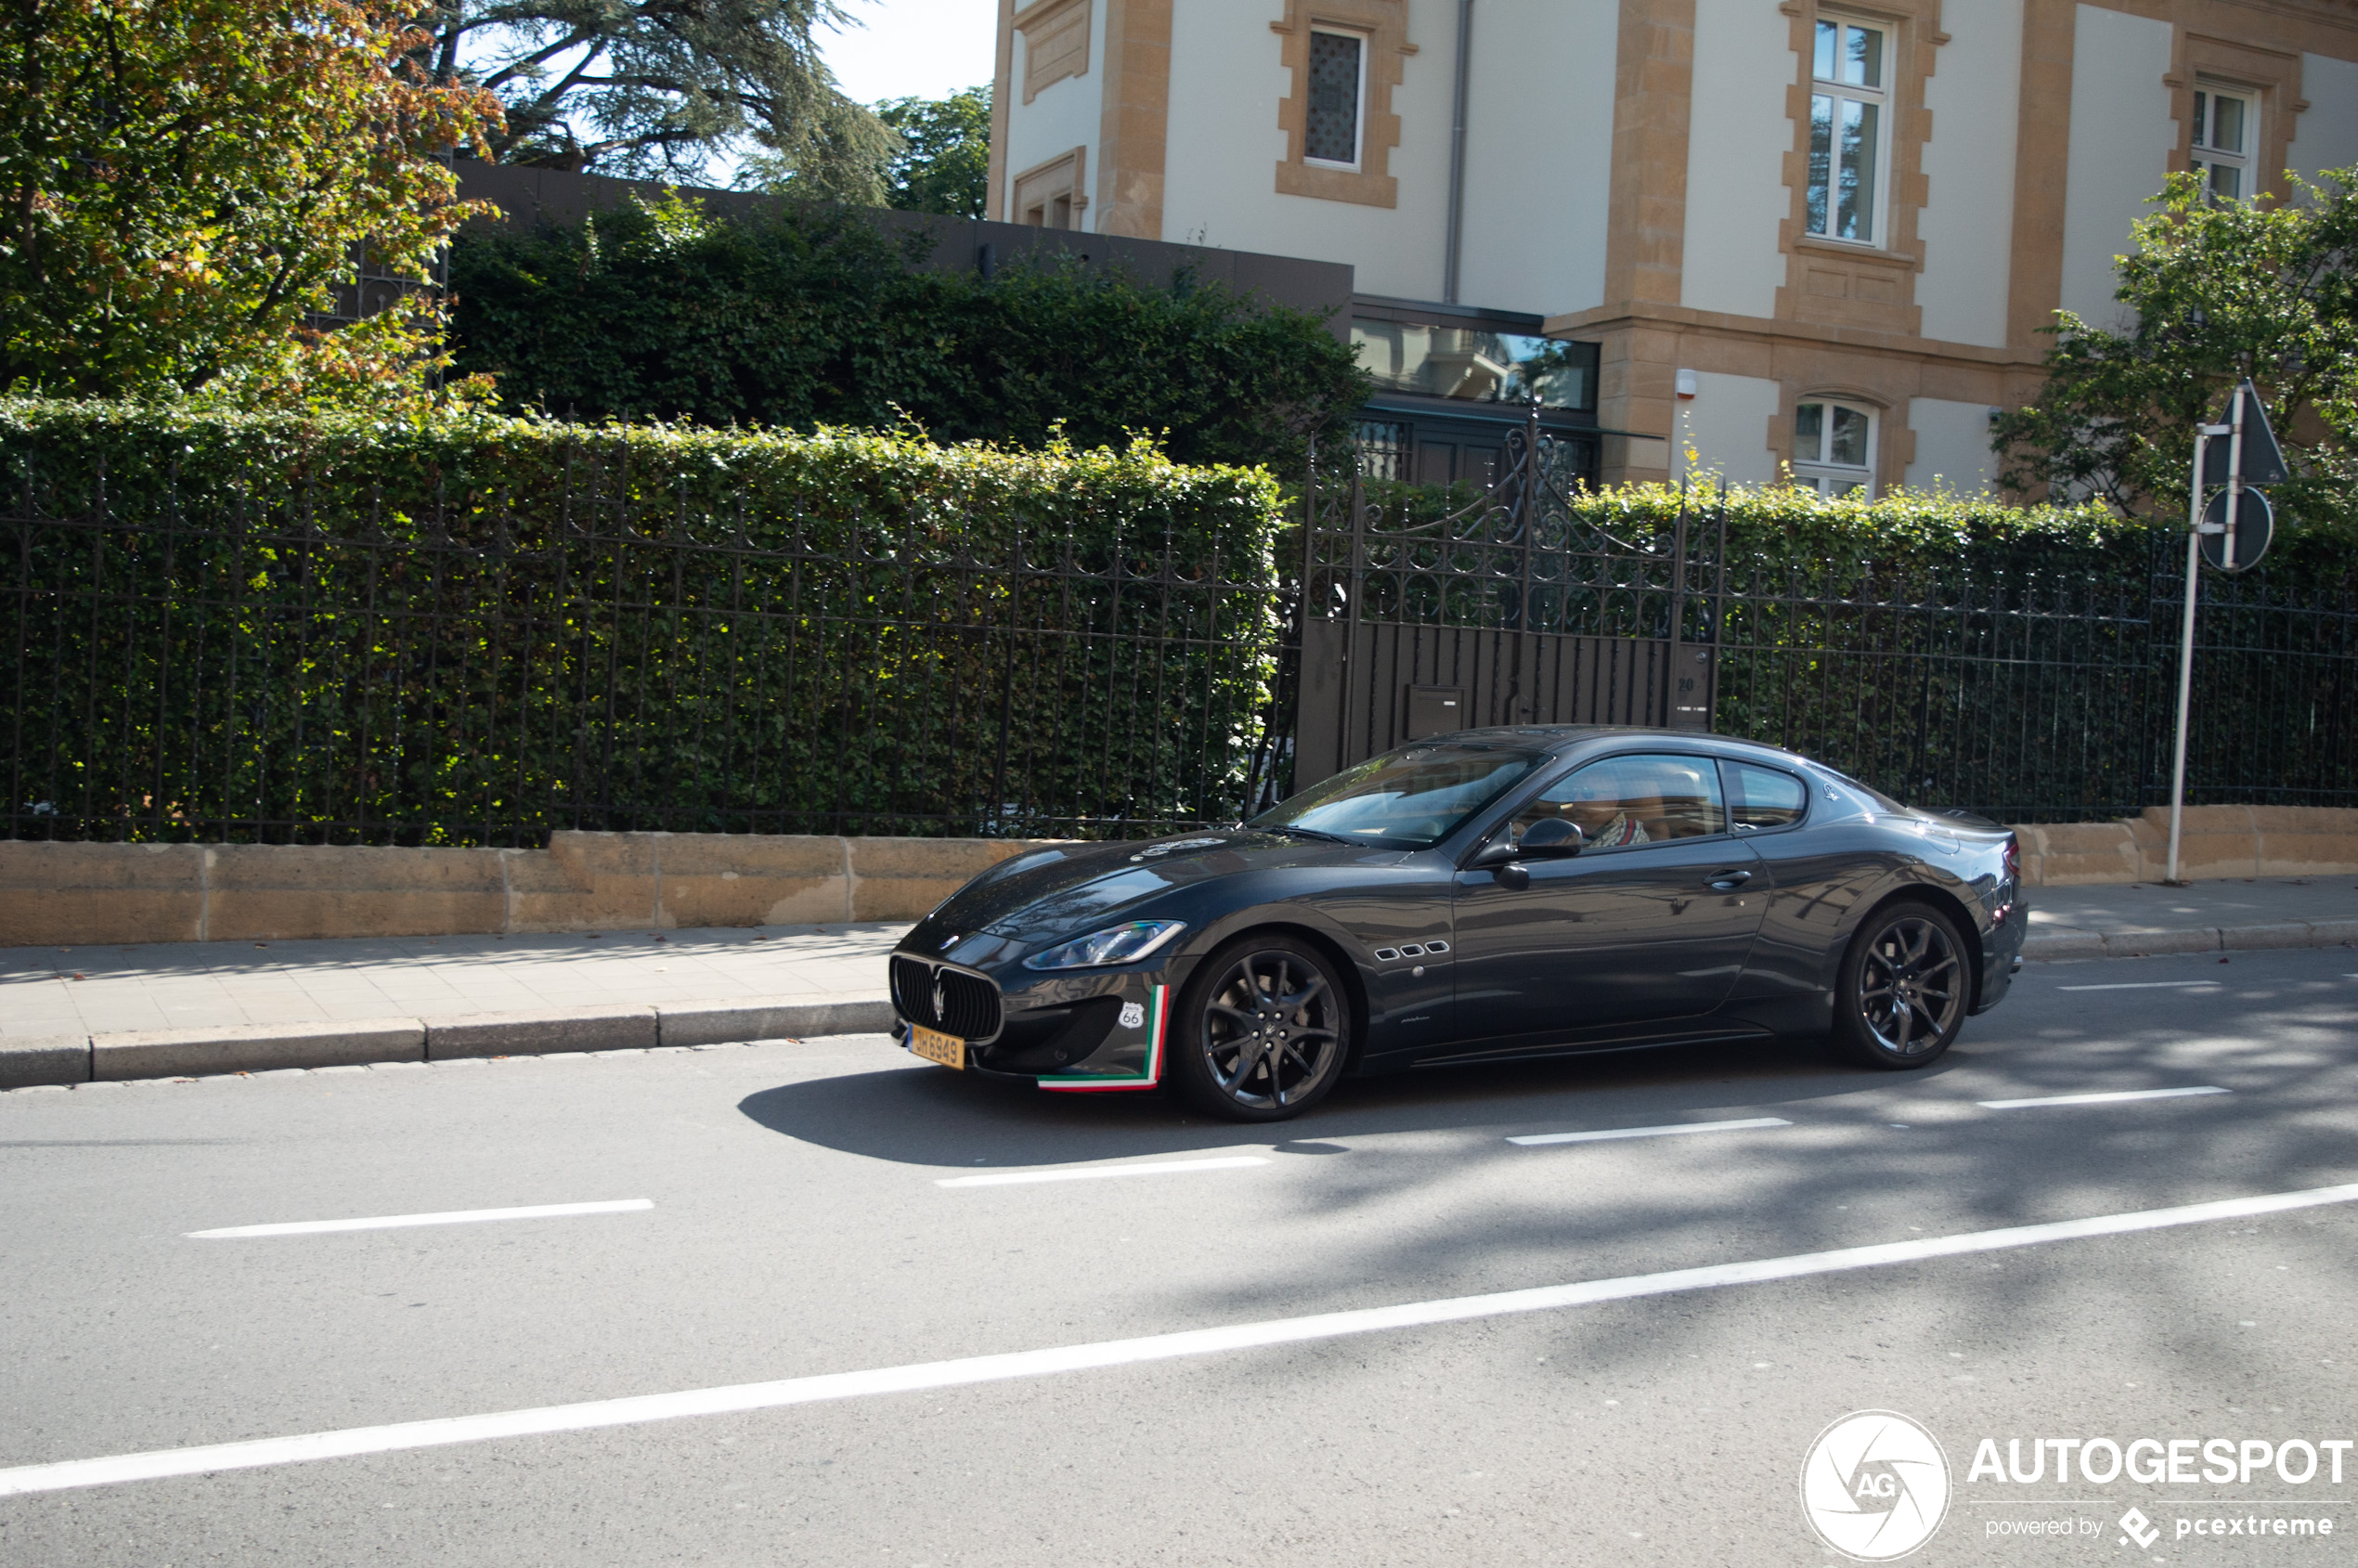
x=1071 y=890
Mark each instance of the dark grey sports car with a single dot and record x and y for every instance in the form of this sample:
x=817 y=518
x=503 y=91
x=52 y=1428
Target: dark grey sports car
x=1499 y=893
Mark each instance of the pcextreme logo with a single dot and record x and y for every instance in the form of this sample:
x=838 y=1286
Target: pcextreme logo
x=1874 y=1485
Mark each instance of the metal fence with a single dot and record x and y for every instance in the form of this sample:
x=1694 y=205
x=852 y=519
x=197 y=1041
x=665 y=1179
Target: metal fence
x=2039 y=684
x=290 y=676
x=1428 y=609
x=268 y=673
x=2030 y=683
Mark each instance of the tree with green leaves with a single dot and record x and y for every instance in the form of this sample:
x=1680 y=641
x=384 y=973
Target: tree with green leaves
x=2216 y=290
x=656 y=88
x=182 y=181
x=944 y=163
x=819 y=315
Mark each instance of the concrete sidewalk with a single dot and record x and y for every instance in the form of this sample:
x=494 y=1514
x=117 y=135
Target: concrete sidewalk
x=73 y=1013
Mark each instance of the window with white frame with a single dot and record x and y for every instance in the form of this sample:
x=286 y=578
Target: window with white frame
x=1833 y=447
x=2226 y=130
x=1338 y=88
x=1849 y=120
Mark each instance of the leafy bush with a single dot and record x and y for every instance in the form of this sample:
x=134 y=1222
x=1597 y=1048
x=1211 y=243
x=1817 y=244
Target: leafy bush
x=474 y=629
x=817 y=317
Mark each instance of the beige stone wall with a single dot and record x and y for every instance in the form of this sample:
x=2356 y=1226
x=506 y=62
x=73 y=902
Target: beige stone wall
x=74 y=894
x=2214 y=842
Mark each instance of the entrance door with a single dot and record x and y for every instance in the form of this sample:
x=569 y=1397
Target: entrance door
x=1653 y=922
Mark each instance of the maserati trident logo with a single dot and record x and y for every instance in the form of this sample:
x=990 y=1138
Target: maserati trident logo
x=940 y=1001
x=1875 y=1485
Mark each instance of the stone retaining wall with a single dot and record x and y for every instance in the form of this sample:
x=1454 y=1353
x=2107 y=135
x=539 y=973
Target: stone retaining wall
x=117 y=893
x=2214 y=842
x=87 y=893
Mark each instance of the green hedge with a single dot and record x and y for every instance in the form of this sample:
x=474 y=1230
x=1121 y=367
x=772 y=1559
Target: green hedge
x=475 y=630
x=814 y=316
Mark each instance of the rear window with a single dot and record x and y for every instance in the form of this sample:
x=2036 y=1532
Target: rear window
x=1764 y=797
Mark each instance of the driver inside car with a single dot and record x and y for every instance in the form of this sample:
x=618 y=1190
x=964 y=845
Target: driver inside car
x=1591 y=802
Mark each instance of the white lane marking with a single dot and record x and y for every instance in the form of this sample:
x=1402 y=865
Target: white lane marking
x=1096 y=1172
x=264 y=1452
x=1530 y=1139
x=2104 y=1099
x=401 y=1222
x=2142 y=985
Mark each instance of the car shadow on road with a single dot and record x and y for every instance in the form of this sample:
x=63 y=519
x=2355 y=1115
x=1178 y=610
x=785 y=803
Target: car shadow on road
x=924 y=1116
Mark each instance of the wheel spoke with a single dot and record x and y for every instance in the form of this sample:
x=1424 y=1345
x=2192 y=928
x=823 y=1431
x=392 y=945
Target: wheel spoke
x=1293 y=1002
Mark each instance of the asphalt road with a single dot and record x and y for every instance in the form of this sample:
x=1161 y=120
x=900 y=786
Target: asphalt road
x=799 y=1226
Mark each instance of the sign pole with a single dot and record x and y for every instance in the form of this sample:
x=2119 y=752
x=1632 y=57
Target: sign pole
x=2234 y=431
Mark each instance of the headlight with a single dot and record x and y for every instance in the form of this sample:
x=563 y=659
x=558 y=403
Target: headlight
x=1116 y=944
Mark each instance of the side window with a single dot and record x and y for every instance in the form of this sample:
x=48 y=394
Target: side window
x=1764 y=797
x=1624 y=801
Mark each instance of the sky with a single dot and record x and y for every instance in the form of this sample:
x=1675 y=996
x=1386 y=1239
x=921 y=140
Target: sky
x=912 y=48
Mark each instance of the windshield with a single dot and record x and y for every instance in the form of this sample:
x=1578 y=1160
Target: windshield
x=1412 y=798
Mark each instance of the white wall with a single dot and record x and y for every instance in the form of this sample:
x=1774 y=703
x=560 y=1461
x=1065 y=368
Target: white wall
x=2326 y=137
x=1952 y=446
x=1220 y=171
x=1967 y=222
x=1538 y=154
x=1738 y=135
x=1727 y=423
x=2122 y=135
x=1062 y=116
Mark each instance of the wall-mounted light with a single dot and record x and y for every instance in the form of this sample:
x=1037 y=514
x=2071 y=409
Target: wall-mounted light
x=1686 y=383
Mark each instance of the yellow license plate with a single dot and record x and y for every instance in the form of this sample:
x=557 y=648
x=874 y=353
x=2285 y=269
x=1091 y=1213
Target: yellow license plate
x=936 y=1046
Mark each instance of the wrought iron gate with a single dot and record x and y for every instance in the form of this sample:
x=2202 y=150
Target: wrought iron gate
x=1427 y=610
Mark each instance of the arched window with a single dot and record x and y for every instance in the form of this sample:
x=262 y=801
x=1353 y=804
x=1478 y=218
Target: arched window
x=1833 y=446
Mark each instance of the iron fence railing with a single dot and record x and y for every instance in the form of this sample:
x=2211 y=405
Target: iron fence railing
x=2038 y=684
x=277 y=674
x=300 y=677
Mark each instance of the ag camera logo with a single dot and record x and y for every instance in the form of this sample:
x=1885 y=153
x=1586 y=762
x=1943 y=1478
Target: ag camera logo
x=1875 y=1485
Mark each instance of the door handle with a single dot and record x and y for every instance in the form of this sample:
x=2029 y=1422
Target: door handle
x=1729 y=881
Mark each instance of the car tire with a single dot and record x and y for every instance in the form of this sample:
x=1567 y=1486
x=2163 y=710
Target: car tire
x=1903 y=988
x=1264 y=1028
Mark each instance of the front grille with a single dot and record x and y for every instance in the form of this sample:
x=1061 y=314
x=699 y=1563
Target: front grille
x=969 y=1007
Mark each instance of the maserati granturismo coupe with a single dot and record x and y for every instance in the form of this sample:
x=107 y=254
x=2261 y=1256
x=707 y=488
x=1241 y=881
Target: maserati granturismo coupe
x=1493 y=894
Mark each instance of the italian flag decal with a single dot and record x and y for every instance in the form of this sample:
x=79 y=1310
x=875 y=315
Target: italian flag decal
x=1157 y=1021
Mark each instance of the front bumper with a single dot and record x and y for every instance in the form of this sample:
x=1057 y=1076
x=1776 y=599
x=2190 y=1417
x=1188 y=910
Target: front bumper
x=1095 y=1030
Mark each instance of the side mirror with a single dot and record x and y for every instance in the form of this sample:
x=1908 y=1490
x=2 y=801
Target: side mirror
x=1551 y=838
x=1498 y=859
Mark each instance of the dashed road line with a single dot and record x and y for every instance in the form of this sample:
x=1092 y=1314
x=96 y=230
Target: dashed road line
x=402 y=1221
x=2112 y=1098
x=1532 y=1140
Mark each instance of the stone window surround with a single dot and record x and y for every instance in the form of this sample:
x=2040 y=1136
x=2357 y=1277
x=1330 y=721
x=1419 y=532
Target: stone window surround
x=1841 y=281
x=2271 y=76
x=1892 y=445
x=1064 y=175
x=1878 y=414
x=1384 y=24
x=1052 y=21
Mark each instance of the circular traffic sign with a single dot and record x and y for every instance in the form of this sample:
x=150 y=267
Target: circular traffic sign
x=2255 y=524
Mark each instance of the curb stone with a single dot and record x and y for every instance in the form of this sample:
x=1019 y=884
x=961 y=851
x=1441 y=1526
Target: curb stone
x=162 y=1053
x=81 y=1061
x=51 y=1062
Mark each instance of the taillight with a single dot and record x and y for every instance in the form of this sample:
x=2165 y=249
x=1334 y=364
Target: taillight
x=2013 y=859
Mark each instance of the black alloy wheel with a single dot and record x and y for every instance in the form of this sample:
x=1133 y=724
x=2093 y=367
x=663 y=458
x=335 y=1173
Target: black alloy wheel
x=1264 y=1030
x=1904 y=987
